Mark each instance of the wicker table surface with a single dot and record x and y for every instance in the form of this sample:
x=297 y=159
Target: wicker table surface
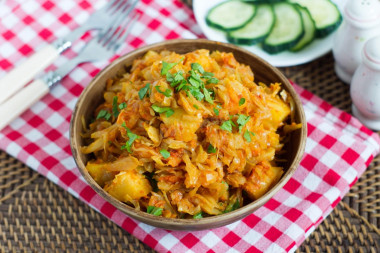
x=38 y=216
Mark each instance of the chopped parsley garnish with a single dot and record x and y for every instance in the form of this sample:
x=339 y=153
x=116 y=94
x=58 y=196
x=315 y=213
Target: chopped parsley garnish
x=167 y=92
x=242 y=120
x=208 y=75
x=131 y=138
x=194 y=81
x=157 y=211
x=227 y=125
x=198 y=67
x=211 y=149
x=196 y=92
x=166 y=66
x=247 y=136
x=194 y=84
x=241 y=101
x=167 y=110
x=143 y=91
x=216 y=112
x=232 y=206
x=196 y=107
x=208 y=96
x=165 y=153
x=198 y=215
x=176 y=79
x=104 y=114
x=123 y=106
x=212 y=80
x=115 y=110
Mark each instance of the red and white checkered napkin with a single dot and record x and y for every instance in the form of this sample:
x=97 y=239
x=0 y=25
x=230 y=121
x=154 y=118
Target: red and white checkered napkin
x=338 y=149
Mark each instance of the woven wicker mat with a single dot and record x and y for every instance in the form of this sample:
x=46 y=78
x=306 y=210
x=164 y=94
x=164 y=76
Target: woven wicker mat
x=38 y=216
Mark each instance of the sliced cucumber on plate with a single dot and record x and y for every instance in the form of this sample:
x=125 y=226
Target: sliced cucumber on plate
x=257 y=29
x=324 y=13
x=309 y=28
x=287 y=30
x=230 y=15
x=277 y=24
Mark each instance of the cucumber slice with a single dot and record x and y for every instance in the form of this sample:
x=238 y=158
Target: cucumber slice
x=230 y=15
x=257 y=29
x=287 y=29
x=325 y=14
x=309 y=27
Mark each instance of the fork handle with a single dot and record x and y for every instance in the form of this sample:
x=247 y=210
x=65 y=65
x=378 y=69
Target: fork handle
x=21 y=101
x=23 y=73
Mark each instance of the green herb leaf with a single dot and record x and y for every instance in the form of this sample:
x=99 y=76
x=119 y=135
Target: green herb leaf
x=178 y=77
x=157 y=211
x=198 y=215
x=175 y=79
x=232 y=206
x=227 y=125
x=241 y=101
x=197 y=67
x=143 y=91
x=131 y=138
x=115 y=110
x=211 y=149
x=196 y=107
x=165 y=153
x=216 y=112
x=207 y=96
x=196 y=93
x=104 y=114
x=195 y=82
x=166 y=66
x=242 y=120
x=169 y=77
x=167 y=92
x=195 y=76
x=167 y=110
x=123 y=106
x=213 y=80
x=169 y=113
x=183 y=86
x=236 y=205
x=247 y=136
x=208 y=75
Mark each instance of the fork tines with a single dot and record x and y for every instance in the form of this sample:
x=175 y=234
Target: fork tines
x=119 y=29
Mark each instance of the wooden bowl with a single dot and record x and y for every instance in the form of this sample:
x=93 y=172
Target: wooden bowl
x=91 y=97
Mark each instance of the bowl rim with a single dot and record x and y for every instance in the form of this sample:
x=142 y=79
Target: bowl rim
x=188 y=224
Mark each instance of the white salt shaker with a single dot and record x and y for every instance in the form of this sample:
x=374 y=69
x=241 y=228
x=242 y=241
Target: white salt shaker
x=365 y=86
x=361 y=21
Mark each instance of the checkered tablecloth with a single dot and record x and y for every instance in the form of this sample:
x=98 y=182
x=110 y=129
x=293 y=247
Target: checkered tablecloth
x=338 y=149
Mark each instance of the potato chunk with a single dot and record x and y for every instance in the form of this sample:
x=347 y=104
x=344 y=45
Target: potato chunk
x=129 y=185
x=181 y=126
x=98 y=173
x=279 y=110
x=261 y=179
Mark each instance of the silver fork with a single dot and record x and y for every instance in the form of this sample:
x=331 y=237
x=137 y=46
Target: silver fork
x=103 y=46
x=25 y=72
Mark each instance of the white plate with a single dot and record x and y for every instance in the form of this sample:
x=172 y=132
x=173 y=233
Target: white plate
x=316 y=49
